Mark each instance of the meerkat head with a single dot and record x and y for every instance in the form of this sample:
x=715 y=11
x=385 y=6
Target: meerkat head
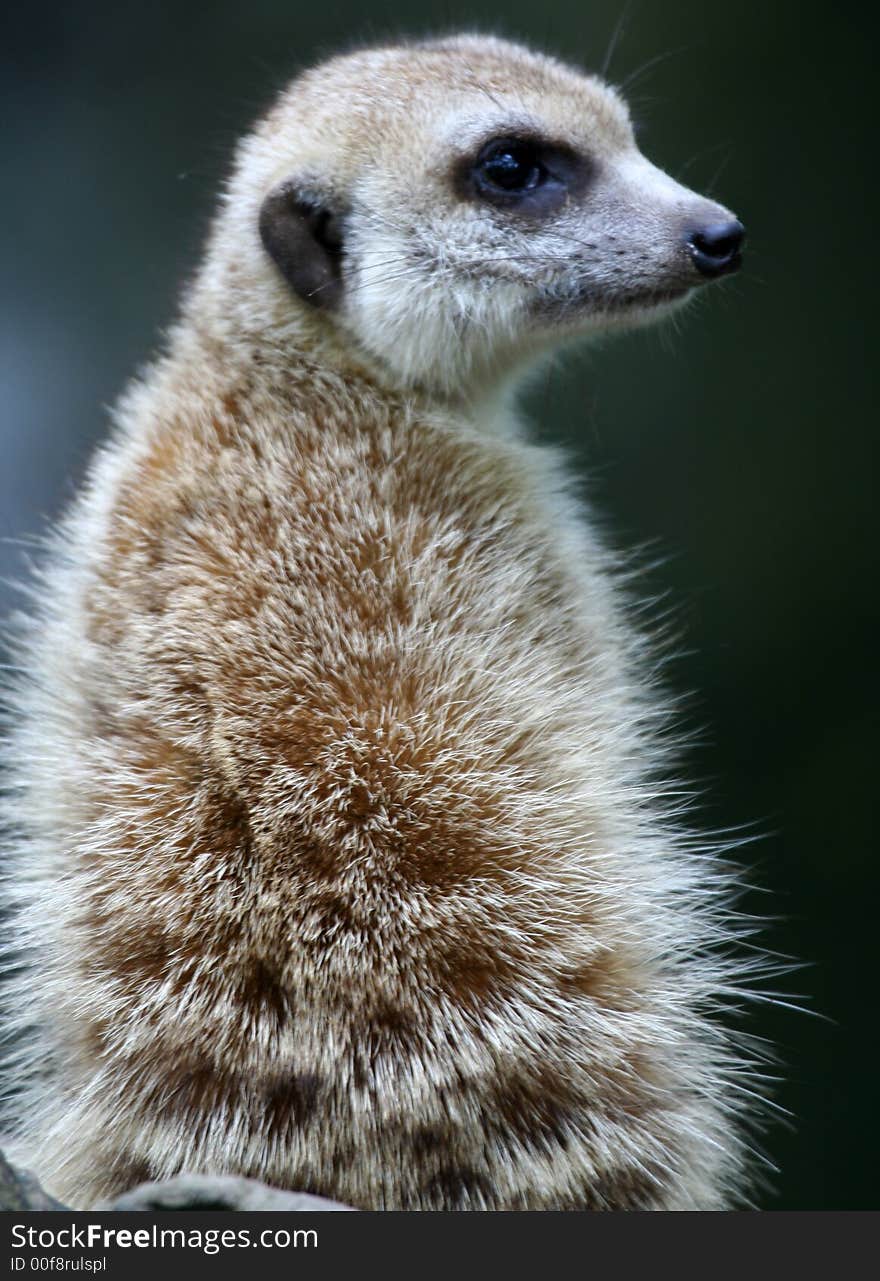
x=450 y=209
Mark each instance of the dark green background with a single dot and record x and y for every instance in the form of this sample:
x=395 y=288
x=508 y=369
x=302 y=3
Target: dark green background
x=740 y=442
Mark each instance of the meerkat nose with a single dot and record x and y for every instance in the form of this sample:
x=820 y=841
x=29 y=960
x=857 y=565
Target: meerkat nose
x=717 y=248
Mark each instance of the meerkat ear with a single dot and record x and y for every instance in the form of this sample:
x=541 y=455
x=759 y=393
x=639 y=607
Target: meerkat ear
x=303 y=236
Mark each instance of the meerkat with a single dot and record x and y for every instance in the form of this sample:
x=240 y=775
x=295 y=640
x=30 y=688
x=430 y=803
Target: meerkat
x=343 y=849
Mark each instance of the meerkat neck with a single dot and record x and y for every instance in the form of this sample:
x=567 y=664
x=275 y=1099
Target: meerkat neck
x=232 y=342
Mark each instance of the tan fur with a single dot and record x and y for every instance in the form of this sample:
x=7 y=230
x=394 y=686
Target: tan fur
x=344 y=856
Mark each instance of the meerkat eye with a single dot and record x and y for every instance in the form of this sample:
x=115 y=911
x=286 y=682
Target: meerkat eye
x=510 y=166
x=531 y=176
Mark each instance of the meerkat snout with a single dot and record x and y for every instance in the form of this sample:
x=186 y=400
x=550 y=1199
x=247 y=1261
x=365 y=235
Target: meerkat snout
x=717 y=248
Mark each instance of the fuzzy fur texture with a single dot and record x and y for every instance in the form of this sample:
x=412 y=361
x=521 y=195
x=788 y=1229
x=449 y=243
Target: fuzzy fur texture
x=343 y=850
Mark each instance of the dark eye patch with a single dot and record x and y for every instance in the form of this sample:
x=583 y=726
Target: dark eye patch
x=522 y=172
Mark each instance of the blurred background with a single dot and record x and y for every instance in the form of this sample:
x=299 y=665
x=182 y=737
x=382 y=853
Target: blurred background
x=738 y=444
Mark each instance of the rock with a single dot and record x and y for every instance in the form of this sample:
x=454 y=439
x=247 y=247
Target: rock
x=21 y=1191
x=221 y=1192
